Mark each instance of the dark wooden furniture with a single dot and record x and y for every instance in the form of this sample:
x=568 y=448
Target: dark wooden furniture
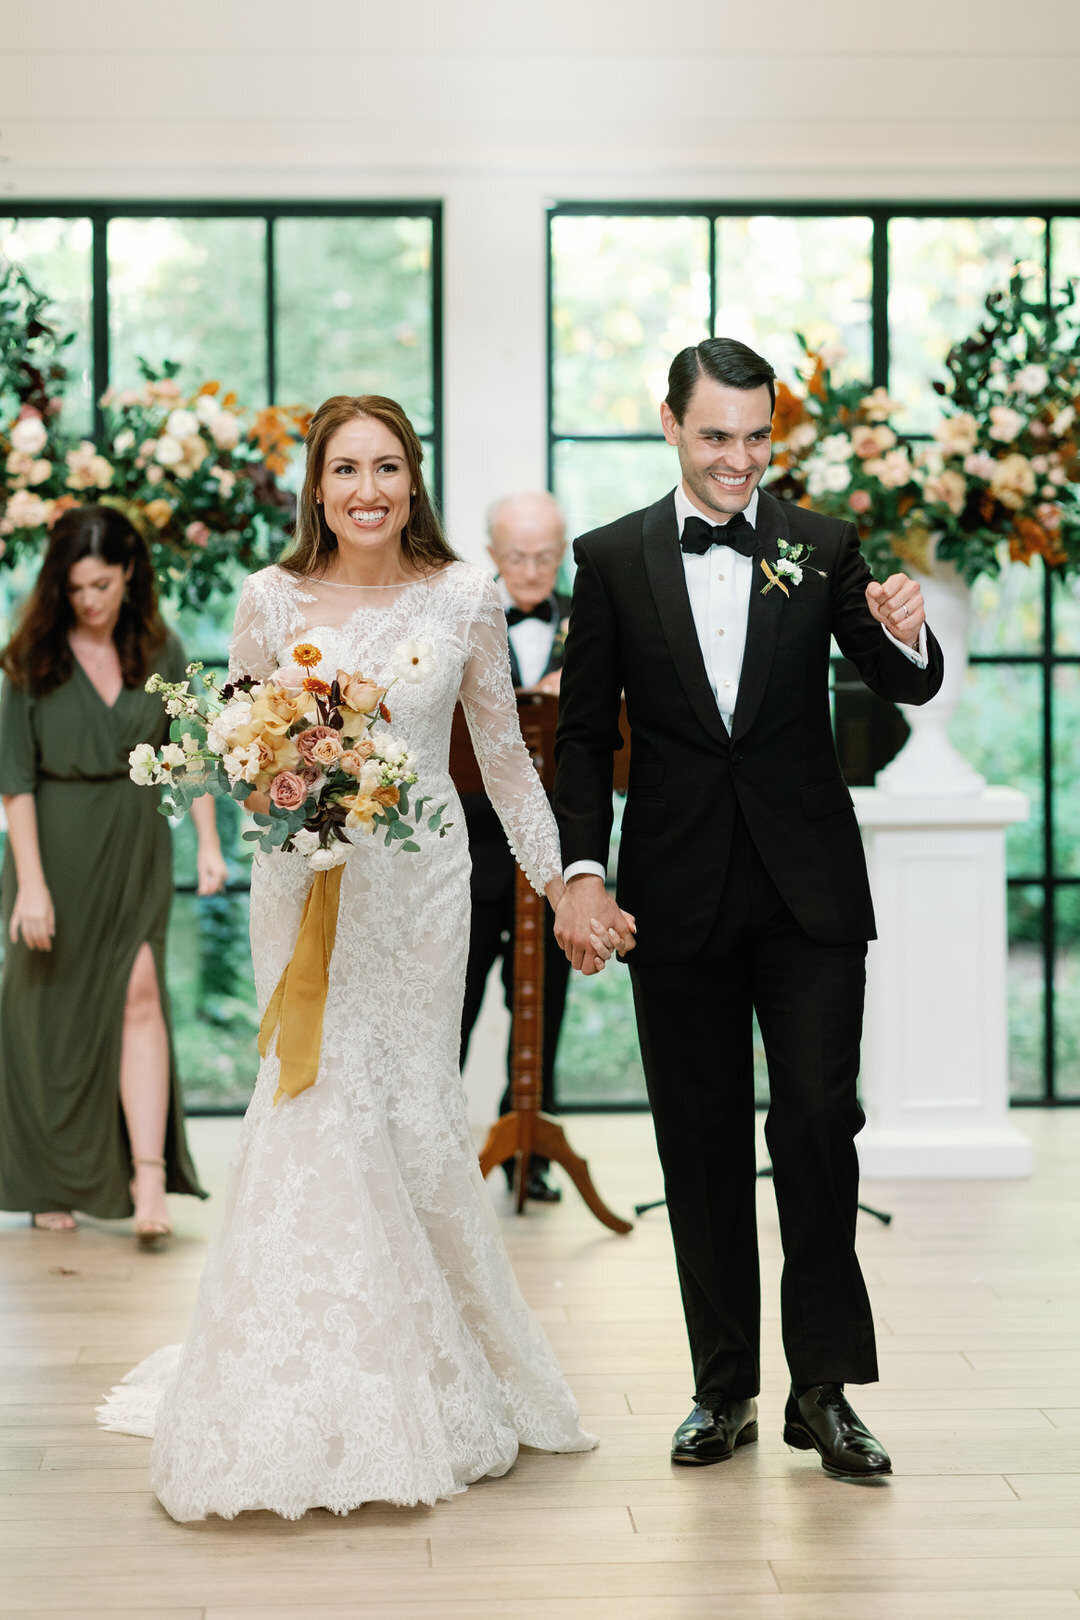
x=525 y=1130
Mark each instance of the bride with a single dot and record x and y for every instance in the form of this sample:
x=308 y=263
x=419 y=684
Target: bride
x=358 y=1334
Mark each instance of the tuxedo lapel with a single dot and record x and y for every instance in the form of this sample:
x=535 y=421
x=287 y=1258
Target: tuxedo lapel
x=763 y=617
x=667 y=578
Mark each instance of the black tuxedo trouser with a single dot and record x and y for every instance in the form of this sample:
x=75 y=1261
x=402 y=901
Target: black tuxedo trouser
x=492 y=936
x=695 y=1026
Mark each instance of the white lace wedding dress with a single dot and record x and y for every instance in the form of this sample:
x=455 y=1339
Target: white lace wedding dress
x=358 y=1334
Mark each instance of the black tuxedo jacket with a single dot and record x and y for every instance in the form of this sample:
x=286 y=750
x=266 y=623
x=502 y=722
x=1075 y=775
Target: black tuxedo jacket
x=632 y=630
x=493 y=862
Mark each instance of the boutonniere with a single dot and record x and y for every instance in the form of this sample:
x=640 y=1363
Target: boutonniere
x=558 y=646
x=789 y=566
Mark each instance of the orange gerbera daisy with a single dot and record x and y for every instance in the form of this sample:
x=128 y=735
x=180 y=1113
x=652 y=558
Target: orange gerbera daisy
x=319 y=687
x=307 y=655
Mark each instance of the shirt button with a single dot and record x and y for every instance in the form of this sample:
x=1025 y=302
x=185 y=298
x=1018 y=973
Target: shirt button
x=719 y=632
x=727 y=683
x=720 y=577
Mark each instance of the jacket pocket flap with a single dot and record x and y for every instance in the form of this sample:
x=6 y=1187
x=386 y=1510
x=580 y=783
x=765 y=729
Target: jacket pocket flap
x=825 y=798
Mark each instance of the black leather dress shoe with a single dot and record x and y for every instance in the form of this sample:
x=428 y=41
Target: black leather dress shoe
x=712 y=1431
x=822 y=1420
x=537 y=1187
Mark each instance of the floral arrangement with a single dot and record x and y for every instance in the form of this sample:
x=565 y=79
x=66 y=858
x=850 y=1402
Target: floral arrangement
x=1005 y=462
x=193 y=471
x=837 y=451
x=1001 y=475
x=309 y=743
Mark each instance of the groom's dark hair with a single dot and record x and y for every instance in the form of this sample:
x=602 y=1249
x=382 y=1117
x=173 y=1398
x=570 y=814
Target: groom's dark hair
x=726 y=361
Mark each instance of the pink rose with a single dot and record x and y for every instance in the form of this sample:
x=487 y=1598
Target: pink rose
x=197 y=534
x=307 y=740
x=288 y=791
x=290 y=676
x=859 y=500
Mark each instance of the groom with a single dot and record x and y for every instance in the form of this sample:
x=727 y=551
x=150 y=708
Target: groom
x=741 y=860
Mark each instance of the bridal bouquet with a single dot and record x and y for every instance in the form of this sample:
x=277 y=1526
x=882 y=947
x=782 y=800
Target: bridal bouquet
x=314 y=746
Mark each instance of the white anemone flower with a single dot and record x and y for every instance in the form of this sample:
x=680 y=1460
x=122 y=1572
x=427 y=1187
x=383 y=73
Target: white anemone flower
x=413 y=661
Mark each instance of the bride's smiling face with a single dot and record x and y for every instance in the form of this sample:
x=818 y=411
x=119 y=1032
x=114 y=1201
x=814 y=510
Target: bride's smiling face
x=364 y=485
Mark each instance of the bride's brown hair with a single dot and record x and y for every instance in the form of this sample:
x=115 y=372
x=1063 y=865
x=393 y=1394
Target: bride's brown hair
x=423 y=544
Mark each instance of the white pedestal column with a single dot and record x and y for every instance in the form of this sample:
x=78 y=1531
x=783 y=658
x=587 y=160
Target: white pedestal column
x=935 y=1045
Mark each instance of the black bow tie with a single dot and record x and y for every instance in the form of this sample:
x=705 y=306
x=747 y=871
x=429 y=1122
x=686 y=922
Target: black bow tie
x=698 y=536
x=545 y=611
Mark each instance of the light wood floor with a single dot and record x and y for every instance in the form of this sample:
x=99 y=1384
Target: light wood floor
x=977 y=1289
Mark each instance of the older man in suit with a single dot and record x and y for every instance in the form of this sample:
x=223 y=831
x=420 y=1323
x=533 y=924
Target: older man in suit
x=527 y=534
x=715 y=609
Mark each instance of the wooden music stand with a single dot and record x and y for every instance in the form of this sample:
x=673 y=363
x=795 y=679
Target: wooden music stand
x=525 y=1130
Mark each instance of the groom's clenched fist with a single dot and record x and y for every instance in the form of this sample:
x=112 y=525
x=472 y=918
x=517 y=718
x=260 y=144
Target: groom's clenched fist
x=589 y=926
x=898 y=605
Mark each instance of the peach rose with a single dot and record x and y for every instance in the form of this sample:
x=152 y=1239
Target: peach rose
x=288 y=791
x=859 y=500
x=307 y=740
x=351 y=761
x=358 y=693
x=327 y=751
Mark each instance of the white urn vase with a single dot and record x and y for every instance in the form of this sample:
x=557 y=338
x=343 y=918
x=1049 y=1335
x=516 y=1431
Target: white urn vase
x=929 y=765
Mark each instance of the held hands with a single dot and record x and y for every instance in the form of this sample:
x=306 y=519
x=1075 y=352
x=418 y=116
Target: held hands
x=33 y=916
x=898 y=605
x=589 y=926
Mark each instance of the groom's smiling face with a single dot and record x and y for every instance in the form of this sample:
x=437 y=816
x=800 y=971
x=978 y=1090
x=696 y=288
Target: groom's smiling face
x=724 y=442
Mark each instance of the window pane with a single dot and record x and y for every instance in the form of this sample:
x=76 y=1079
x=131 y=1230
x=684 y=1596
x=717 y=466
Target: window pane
x=1064 y=249
x=1066 y=746
x=211 y=987
x=998 y=727
x=599 y=1060
x=779 y=276
x=1067 y=994
x=1007 y=611
x=354 y=311
x=596 y=482
x=940 y=271
x=629 y=293
x=191 y=290
x=1026 y=992
x=55 y=254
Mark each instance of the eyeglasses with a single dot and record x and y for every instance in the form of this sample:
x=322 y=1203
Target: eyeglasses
x=516 y=560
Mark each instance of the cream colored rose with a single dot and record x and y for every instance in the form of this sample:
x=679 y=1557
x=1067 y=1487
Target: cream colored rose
x=358 y=693
x=351 y=761
x=1013 y=481
x=957 y=435
x=29 y=435
x=948 y=487
x=326 y=751
x=225 y=430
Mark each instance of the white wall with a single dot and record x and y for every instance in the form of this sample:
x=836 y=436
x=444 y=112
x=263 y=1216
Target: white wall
x=498 y=108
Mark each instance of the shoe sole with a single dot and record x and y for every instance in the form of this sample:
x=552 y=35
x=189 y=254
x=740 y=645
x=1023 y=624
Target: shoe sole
x=803 y=1440
x=745 y=1437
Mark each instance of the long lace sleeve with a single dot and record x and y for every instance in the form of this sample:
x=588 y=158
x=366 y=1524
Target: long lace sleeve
x=487 y=697
x=257 y=630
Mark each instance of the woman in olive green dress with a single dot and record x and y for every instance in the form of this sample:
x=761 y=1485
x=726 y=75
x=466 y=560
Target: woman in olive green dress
x=90 y=1110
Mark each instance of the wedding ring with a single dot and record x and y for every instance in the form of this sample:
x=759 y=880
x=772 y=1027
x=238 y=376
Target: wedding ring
x=907 y=610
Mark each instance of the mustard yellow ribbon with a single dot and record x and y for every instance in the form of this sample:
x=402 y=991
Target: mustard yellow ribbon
x=774 y=579
x=297 y=1005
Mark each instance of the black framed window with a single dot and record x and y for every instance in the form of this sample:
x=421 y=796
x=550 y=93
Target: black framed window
x=892 y=287
x=283 y=303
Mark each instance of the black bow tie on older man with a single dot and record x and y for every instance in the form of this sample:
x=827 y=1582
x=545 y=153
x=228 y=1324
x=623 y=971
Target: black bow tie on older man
x=544 y=611
x=698 y=536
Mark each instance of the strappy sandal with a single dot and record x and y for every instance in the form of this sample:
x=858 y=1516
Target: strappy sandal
x=150 y=1233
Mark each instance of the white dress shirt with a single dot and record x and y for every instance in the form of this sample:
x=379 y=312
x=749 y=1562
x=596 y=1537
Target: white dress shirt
x=719 y=585
x=532 y=641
